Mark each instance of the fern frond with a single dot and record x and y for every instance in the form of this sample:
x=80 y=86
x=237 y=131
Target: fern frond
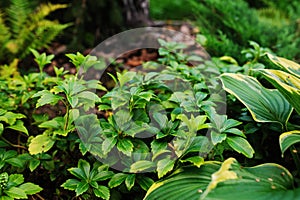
x=17 y=14
x=4 y=34
x=43 y=35
x=27 y=28
x=45 y=9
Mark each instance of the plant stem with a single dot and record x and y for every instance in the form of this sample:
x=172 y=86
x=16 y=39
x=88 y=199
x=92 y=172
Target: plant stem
x=295 y=158
x=13 y=145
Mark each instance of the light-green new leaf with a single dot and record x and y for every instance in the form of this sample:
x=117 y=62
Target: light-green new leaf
x=40 y=143
x=46 y=97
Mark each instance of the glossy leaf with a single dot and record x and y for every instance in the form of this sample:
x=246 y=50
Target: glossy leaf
x=287 y=139
x=117 y=180
x=286 y=64
x=108 y=144
x=141 y=166
x=217 y=137
x=226 y=181
x=125 y=146
x=30 y=188
x=145 y=182
x=81 y=188
x=46 y=97
x=40 y=143
x=265 y=105
x=164 y=166
x=16 y=193
x=240 y=145
x=70 y=184
x=19 y=126
x=129 y=181
x=102 y=192
x=195 y=160
x=287 y=84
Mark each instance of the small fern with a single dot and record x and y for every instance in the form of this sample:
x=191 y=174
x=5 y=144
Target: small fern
x=23 y=27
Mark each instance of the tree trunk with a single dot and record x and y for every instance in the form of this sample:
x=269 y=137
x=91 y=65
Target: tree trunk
x=136 y=13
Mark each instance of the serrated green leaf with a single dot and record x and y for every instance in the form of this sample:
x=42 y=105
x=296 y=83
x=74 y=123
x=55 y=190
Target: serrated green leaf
x=145 y=182
x=33 y=164
x=19 y=126
x=164 y=166
x=230 y=123
x=235 y=131
x=117 y=180
x=161 y=119
x=30 y=188
x=142 y=165
x=15 y=179
x=125 y=146
x=88 y=95
x=129 y=181
x=217 y=137
x=122 y=118
x=102 y=192
x=81 y=188
x=15 y=193
x=46 y=97
x=108 y=144
x=103 y=175
x=126 y=77
x=11 y=118
x=39 y=144
x=240 y=145
x=195 y=160
x=78 y=173
x=158 y=148
x=55 y=123
x=70 y=184
x=287 y=139
x=16 y=162
x=85 y=167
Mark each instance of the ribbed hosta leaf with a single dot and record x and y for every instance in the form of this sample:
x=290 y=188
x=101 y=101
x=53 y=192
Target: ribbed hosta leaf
x=265 y=105
x=286 y=64
x=287 y=139
x=226 y=181
x=287 y=84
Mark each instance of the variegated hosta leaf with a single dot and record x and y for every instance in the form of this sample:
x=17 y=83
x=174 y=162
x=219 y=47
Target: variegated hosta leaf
x=287 y=84
x=287 y=139
x=286 y=64
x=265 y=105
x=226 y=181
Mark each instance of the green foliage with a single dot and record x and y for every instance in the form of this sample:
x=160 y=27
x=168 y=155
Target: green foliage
x=229 y=25
x=265 y=105
x=88 y=179
x=164 y=132
x=227 y=180
x=164 y=10
x=23 y=28
x=13 y=187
